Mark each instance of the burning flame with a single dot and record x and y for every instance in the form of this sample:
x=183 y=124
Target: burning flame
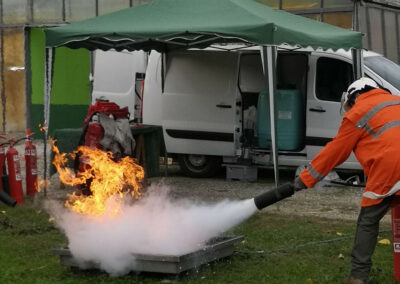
x=105 y=177
x=41 y=183
x=44 y=127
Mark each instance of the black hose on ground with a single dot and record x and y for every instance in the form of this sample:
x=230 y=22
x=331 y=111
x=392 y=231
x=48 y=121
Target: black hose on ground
x=5 y=181
x=274 y=195
x=7 y=199
x=311 y=243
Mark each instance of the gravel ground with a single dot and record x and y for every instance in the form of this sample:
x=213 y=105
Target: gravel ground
x=339 y=202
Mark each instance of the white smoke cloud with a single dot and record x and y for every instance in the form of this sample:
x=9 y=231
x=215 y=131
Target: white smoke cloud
x=155 y=224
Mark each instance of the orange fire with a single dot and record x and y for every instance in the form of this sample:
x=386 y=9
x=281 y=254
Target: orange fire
x=104 y=176
x=43 y=128
x=41 y=183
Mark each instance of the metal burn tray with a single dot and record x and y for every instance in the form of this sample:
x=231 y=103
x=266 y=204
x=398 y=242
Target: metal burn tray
x=215 y=249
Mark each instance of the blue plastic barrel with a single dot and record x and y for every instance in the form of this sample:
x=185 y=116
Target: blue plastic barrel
x=290 y=120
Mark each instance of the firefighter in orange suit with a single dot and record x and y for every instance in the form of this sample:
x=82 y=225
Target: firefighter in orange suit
x=370 y=128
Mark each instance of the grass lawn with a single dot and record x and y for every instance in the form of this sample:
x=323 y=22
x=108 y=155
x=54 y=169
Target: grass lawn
x=293 y=253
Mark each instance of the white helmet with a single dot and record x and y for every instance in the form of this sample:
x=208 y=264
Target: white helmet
x=359 y=86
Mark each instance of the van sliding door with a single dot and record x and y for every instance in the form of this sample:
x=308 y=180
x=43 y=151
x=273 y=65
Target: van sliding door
x=199 y=102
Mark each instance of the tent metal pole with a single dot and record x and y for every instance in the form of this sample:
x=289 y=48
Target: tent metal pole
x=268 y=56
x=358 y=63
x=2 y=80
x=46 y=108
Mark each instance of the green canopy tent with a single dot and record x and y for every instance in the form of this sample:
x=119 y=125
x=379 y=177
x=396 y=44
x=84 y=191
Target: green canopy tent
x=165 y=25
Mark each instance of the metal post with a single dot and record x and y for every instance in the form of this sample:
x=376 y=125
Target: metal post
x=30 y=11
x=97 y=7
x=1 y=12
x=355 y=20
x=63 y=12
x=163 y=70
x=46 y=107
x=2 y=91
x=268 y=56
x=383 y=33
x=358 y=63
x=368 y=33
x=28 y=87
x=398 y=38
x=91 y=78
x=3 y=88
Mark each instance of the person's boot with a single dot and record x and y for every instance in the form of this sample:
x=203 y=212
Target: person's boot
x=352 y=280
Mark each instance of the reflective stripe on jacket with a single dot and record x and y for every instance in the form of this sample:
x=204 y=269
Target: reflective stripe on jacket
x=371 y=128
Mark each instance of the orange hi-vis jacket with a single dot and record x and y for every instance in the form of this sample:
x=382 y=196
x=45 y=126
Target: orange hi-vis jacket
x=371 y=128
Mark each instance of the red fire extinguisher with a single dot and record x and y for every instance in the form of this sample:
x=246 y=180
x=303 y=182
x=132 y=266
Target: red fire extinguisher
x=396 y=237
x=94 y=133
x=2 y=160
x=14 y=173
x=31 y=165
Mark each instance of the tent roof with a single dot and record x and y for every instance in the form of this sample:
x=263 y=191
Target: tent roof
x=170 y=24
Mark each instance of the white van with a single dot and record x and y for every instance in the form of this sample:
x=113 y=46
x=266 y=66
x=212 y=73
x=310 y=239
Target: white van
x=117 y=77
x=203 y=99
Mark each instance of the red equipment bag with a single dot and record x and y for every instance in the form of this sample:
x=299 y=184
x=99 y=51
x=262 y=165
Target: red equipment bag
x=93 y=132
x=108 y=108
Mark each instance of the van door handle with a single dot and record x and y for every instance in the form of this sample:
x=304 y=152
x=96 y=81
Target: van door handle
x=317 y=109
x=223 y=106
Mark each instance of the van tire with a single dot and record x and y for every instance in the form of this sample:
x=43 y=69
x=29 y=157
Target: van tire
x=199 y=166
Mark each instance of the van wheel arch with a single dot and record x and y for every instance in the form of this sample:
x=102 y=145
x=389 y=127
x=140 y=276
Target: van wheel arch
x=199 y=166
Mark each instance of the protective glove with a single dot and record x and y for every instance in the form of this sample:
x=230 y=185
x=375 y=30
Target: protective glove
x=298 y=184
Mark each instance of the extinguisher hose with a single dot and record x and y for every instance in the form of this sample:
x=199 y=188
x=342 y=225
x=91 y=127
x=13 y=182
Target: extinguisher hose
x=273 y=195
x=7 y=199
x=18 y=140
x=12 y=142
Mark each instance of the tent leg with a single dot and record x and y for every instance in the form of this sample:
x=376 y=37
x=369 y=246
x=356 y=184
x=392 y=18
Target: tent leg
x=46 y=108
x=358 y=63
x=269 y=56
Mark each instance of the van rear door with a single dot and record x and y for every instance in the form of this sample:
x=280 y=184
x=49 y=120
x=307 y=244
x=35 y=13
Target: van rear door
x=114 y=76
x=199 y=102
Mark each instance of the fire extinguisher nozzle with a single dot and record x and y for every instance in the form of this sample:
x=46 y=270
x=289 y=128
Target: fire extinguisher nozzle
x=273 y=195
